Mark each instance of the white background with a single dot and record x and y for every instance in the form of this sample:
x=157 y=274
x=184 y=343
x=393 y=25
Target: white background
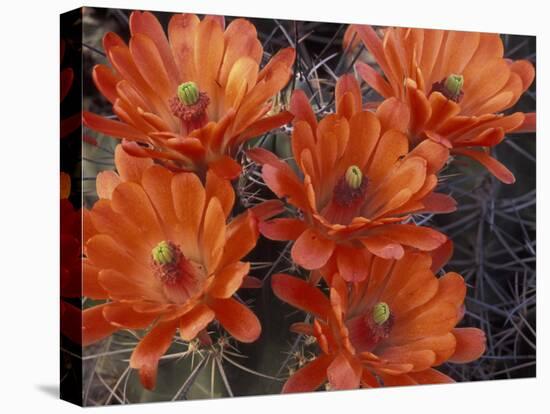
x=29 y=204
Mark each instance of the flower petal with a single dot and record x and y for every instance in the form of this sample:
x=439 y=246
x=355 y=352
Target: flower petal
x=208 y=55
x=91 y=287
x=439 y=203
x=383 y=247
x=112 y=128
x=222 y=190
x=374 y=79
x=226 y=167
x=470 y=345
x=525 y=70
x=147 y=24
x=264 y=125
x=241 y=40
x=423 y=238
x=347 y=90
x=441 y=255
x=105 y=253
x=433 y=320
x=94 y=326
x=282 y=229
x=393 y=114
x=374 y=44
x=156 y=181
x=228 y=280
x=213 y=234
x=237 y=319
x=301 y=294
x=310 y=377
x=131 y=201
x=392 y=146
x=149 y=63
x=241 y=237
x=302 y=138
x=122 y=286
x=351 y=262
x=122 y=315
x=106 y=182
x=435 y=154
x=242 y=78
x=420 y=359
x=301 y=109
x=147 y=353
x=494 y=167
x=343 y=375
x=182 y=30
x=106 y=82
x=529 y=123
x=363 y=137
x=311 y=250
x=194 y=321
x=130 y=168
x=189 y=201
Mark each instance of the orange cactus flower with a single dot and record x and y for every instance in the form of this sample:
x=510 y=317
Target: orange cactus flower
x=161 y=249
x=391 y=329
x=360 y=184
x=451 y=86
x=192 y=98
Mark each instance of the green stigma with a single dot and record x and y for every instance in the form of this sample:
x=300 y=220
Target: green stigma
x=381 y=313
x=354 y=177
x=454 y=84
x=188 y=93
x=162 y=253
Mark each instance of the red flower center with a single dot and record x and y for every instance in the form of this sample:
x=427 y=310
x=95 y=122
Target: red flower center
x=367 y=330
x=181 y=278
x=451 y=87
x=347 y=197
x=189 y=105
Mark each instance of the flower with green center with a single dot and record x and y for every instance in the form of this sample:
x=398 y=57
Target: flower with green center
x=188 y=93
x=201 y=76
x=381 y=313
x=354 y=177
x=166 y=285
x=362 y=343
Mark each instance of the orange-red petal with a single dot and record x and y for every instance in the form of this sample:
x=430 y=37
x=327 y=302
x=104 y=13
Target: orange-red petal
x=237 y=319
x=470 y=345
x=194 y=321
x=94 y=326
x=300 y=294
x=310 y=377
x=282 y=229
x=147 y=353
x=241 y=237
x=343 y=374
x=351 y=263
x=494 y=166
x=311 y=250
x=228 y=280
